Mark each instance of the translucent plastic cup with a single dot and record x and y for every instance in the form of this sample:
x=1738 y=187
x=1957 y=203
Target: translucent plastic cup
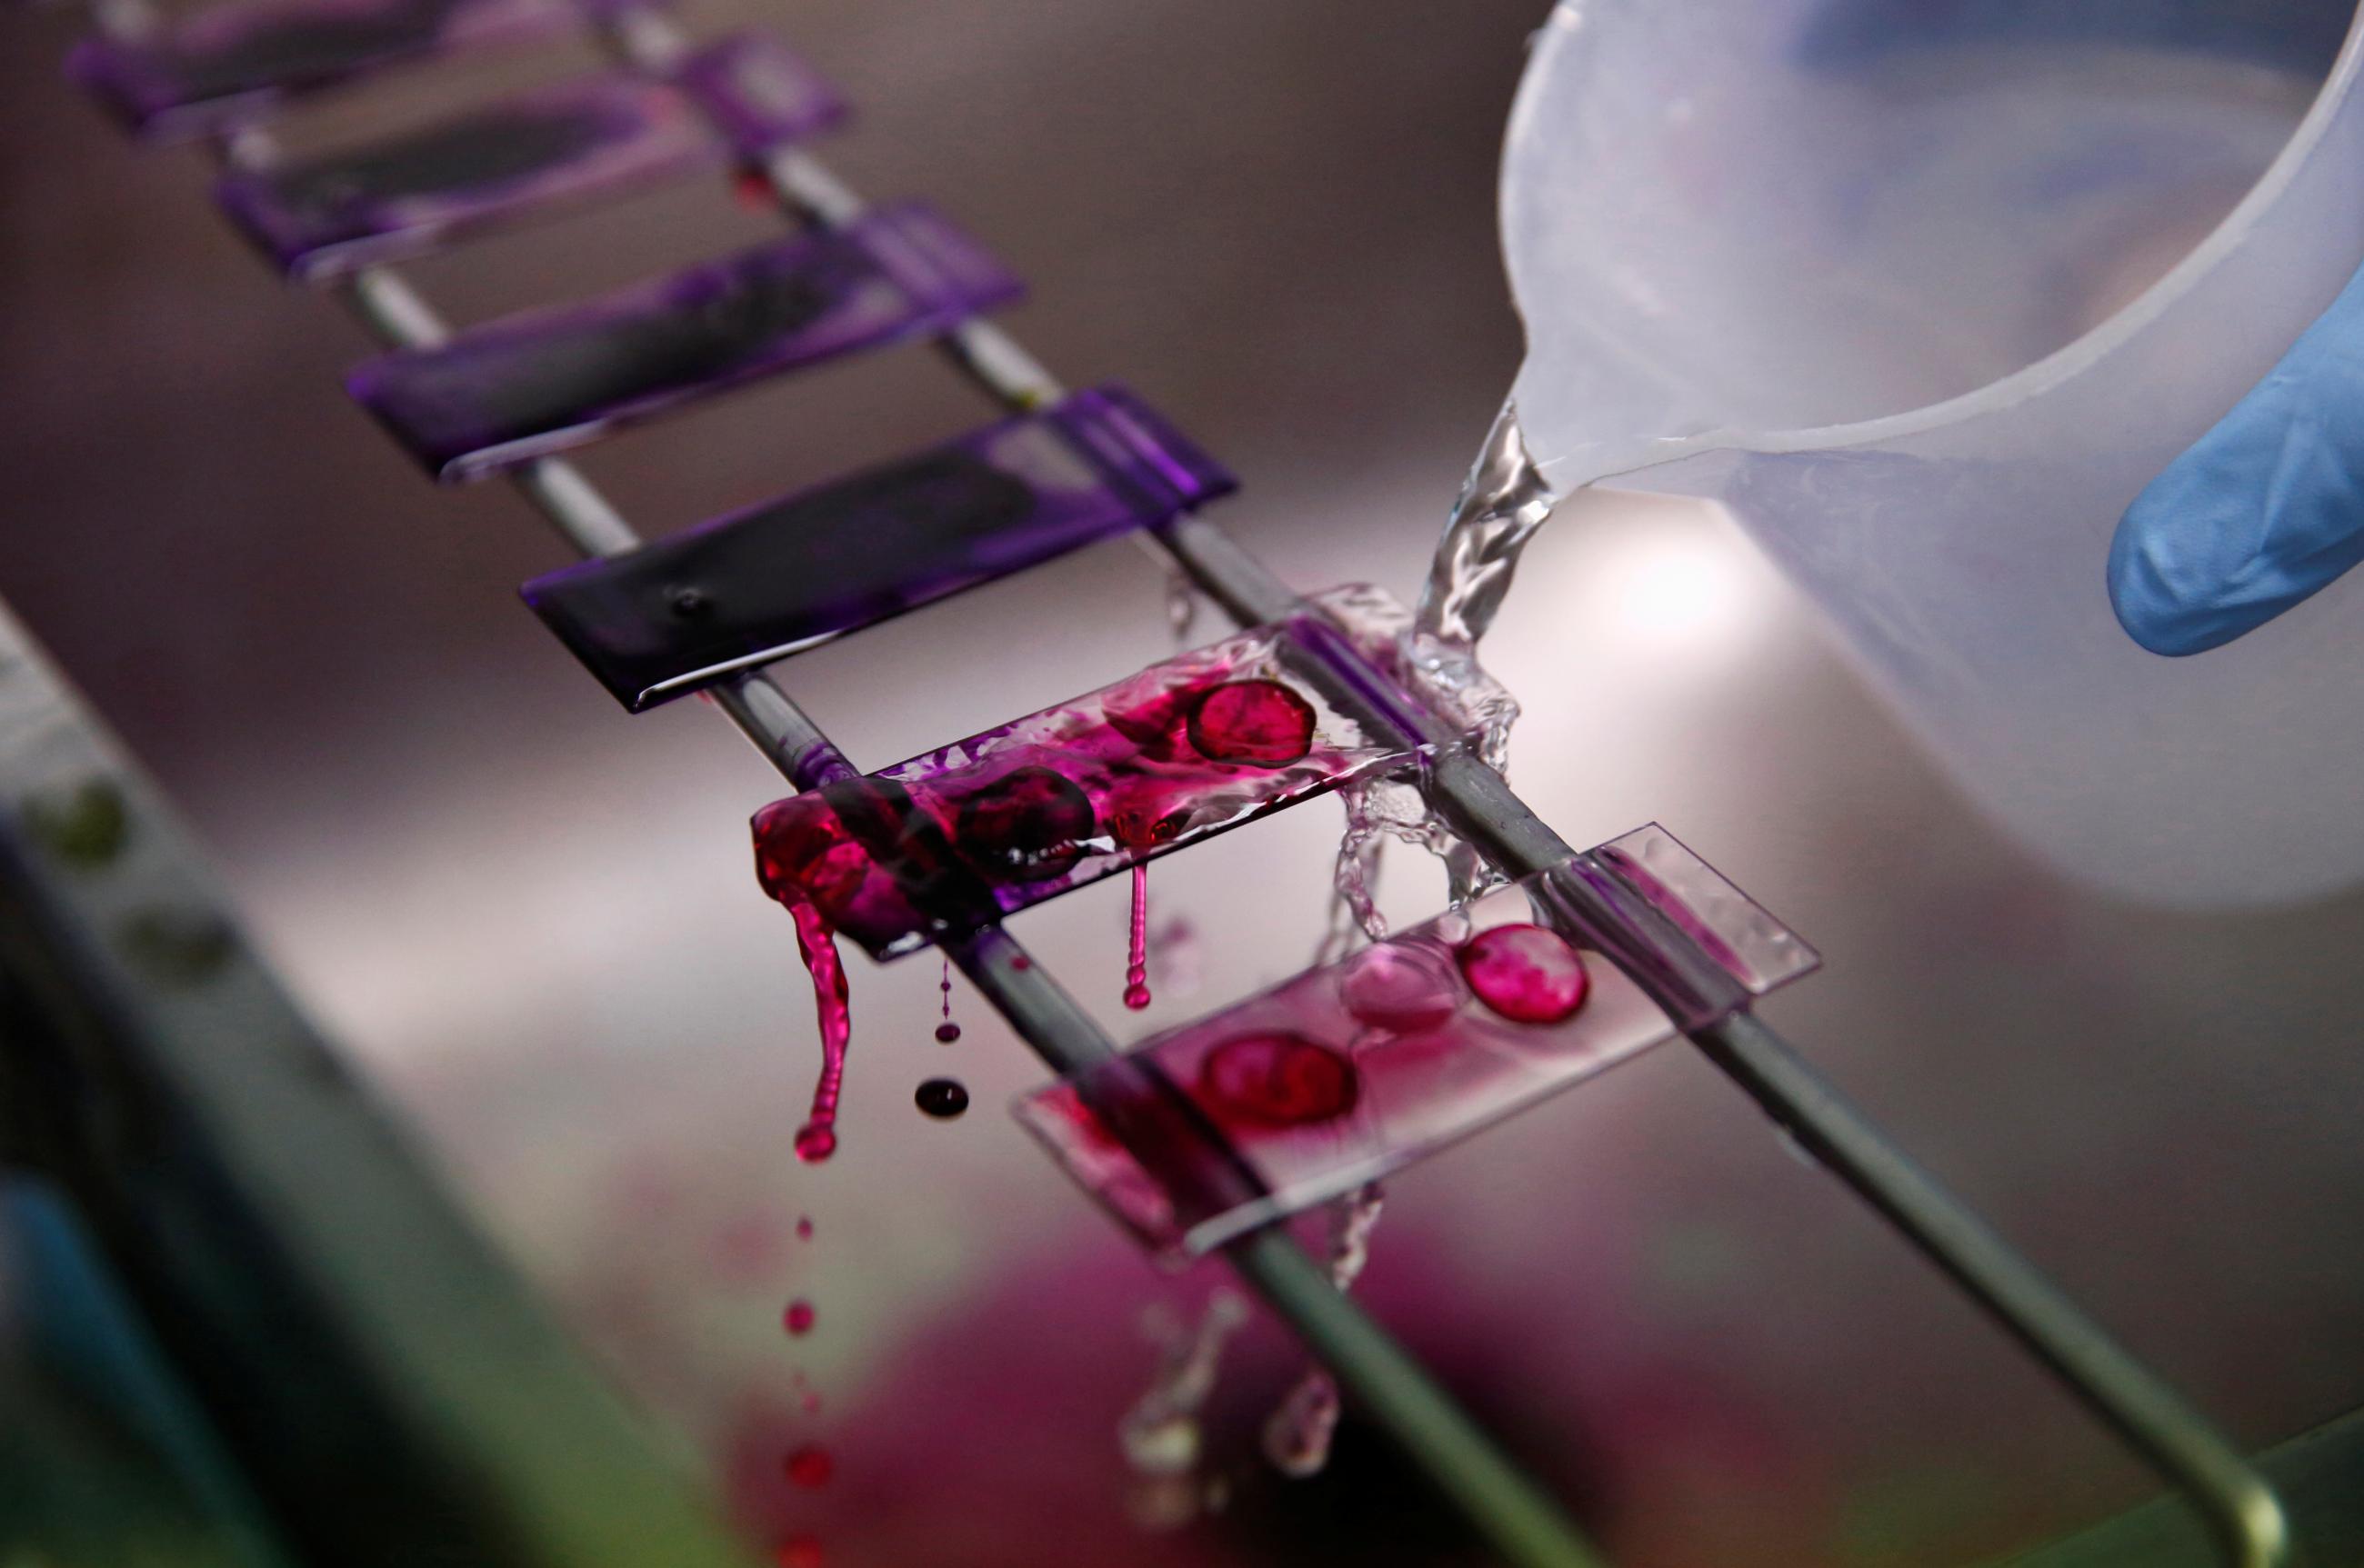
x=1925 y=293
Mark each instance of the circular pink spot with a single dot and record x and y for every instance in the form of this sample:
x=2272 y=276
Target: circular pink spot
x=1278 y=1080
x=1399 y=987
x=1526 y=973
x=799 y=1317
x=1260 y=723
x=815 y=1142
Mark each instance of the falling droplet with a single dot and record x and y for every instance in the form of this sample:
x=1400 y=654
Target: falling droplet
x=1136 y=969
x=800 y=1552
x=804 y=1228
x=942 y=1098
x=810 y=1466
x=799 y=1317
x=817 y=1140
x=947 y=1031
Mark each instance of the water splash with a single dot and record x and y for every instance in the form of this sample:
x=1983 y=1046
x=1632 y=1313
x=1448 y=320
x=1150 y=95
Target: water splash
x=1296 y=1435
x=817 y=1140
x=1160 y=1435
x=1502 y=503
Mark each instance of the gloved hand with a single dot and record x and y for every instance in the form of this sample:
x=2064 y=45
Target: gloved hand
x=2264 y=510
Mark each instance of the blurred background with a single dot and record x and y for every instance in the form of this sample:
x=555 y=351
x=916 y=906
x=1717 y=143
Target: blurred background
x=532 y=922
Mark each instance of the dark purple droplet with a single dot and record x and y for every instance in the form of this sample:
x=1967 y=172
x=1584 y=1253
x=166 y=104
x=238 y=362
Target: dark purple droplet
x=1027 y=825
x=947 y=1032
x=942 y=1098
x=1260 y=723
x=1278 y=1080
x=1527 y=973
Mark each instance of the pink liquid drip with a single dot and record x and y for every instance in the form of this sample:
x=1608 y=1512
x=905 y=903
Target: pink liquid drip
x=817 y=1140
x=804 y=1228
x=802 y=1551
x=798 y=1317
x=947 y=1031
x=1136 y=969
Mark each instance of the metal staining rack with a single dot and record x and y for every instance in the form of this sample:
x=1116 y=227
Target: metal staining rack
x=711 y=610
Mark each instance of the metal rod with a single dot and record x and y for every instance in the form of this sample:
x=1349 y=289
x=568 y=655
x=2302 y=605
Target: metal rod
x=1508 y=1507
x=2181 y=1444
x=1523 y=1523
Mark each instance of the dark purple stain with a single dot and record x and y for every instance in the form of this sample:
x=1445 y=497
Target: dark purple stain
x=791 y=574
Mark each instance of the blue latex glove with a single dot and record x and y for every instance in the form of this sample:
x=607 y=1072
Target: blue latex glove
x=2264 y=510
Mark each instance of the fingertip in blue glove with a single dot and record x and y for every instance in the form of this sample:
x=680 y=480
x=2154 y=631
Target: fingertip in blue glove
x=2263 y=510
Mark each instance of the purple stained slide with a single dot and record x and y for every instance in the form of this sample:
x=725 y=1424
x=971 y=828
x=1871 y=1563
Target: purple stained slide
x=536 y=154
x=229 y=64
x=680 y=613
x=990 y=825
x=1358 y=1068
x=546 y=380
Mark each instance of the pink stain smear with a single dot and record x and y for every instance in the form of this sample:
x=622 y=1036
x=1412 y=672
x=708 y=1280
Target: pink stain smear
x=1280 y=1080
x=798 y=1317
x=1136 y=970
x=1526 y=973
x=817 y=1140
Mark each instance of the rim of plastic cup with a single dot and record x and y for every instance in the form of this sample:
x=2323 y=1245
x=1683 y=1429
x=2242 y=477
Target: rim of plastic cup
x=2070 y=359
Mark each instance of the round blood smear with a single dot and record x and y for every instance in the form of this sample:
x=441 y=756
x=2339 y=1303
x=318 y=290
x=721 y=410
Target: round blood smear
x=1260 y=723
x=1399 y=987
x=1526 y=973
x=810 y=1466
x=1029 y=824
x=1278 y=1080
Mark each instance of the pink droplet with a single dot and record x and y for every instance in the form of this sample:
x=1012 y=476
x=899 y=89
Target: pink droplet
x=1278 y=1080
x=946 y=1033
x=810 y=1466
x=755 y=193
x=1136 y=971
x=799 y=1317
x=817 y=1140
x=804 y=1228
x=801 y=1551
x=1526 y=973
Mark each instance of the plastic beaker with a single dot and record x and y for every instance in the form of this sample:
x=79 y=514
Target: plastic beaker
x=1925 y=293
